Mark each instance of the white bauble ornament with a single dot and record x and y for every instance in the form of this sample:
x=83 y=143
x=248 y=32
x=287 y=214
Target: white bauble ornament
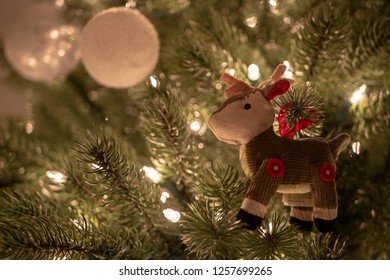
x=119 y=47
x=39 y=45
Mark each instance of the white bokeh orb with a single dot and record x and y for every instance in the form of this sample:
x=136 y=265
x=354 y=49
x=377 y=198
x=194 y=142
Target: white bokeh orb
x=40 y=45
x=119 y=47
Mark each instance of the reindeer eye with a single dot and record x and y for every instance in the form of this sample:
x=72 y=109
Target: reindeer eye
x=247 y=106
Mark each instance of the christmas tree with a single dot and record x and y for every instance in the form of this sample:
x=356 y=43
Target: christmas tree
x=105 y=149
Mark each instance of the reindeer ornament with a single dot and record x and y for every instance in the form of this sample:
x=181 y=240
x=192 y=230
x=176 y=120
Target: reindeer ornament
x=303 y=170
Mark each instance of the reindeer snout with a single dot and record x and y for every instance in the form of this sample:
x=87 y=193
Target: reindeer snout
x=220 y=127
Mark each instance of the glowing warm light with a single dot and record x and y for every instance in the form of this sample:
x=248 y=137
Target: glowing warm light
x=356 y=147
x=54 y=34
x=172 y=215
x=287 y=20
x=131 y=4
x=251 y=22
x=74 y=203
x=61 y=52
x=164 y=197
x=288 y=74
x=195 y=126
x=45 y=192
x=32 y=62
x=96 y=166
x=273 y=3
x=232 y=72
x=270 y=227
x=29 y=128
x=78 y=225
x=153 y=81
x=152 y=174
x=253 y=72
x=59 y=3
x=56 y=176
x=358 y=94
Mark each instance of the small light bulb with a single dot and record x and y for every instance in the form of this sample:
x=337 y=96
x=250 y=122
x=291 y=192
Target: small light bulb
x=270 y=227
x=54 y=34
x=273 y=3
x=131 y=4
x=59 y=3
x=153 y=81
x=152 y=174
x=287 y=63
x=253 y=72
x=232 y=72
x=61 y=52
x=29 y=128
x=358 y=94
x=164 y=197
x=288 y=74
x=172 y=215
x=32 y=62
x=56 y=176
x=356 y=147
x=195 y=126
x=96 y=166
x=251 y=22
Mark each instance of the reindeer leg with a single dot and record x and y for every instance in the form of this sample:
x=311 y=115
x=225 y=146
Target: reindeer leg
x=325 y=196
x=258 y=194
x=302 y=217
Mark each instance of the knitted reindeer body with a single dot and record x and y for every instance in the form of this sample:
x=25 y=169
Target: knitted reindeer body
x=304 y=170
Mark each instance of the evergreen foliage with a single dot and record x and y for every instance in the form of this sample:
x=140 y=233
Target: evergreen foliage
x=73 y=183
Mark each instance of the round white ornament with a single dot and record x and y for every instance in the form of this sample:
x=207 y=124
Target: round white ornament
x=119 y=47
x=39 y=45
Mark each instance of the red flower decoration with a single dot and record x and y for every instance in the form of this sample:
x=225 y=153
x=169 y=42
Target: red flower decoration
x=275 y=167
x=327 y=172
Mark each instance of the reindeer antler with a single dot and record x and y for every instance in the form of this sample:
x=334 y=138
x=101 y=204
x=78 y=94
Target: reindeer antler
x=234 y=85
x=279 y=71
x=277 y=75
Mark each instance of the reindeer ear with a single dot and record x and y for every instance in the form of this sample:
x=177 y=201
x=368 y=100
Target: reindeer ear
x=278 y=88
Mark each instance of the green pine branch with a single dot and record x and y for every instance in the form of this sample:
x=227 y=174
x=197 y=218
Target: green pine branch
x=223 y=187
x=276 y=239
x=372 y=116
x=210 y=233
x=36 y=227
x=368 y=59
x=172 y=148
x=22 y=154
x=121 y=189
x=321 y=43
x=324 y=247
x=52 y=237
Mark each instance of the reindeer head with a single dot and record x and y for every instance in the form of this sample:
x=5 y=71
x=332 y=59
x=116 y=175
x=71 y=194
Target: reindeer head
x=248 y=111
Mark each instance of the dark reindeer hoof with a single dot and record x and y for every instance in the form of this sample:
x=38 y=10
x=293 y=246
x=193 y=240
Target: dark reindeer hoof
x=301 y=225
x=252 y=222
x=325 y=226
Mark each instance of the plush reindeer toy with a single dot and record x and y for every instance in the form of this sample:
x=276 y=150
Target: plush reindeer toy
x=303 y=170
